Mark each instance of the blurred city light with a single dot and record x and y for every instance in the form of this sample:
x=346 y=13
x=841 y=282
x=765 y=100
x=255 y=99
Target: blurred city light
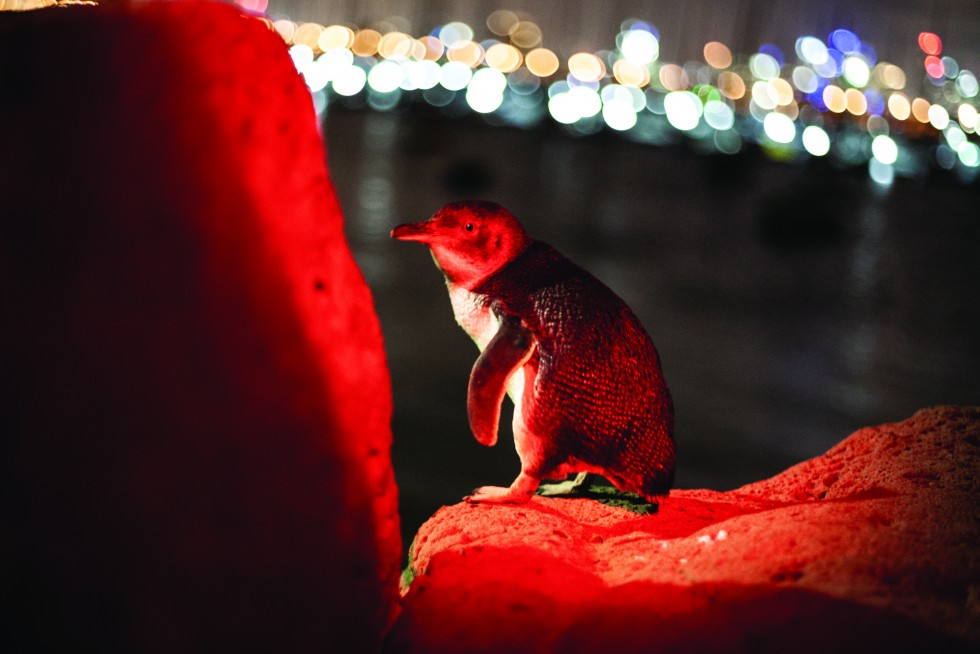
x=834 y=96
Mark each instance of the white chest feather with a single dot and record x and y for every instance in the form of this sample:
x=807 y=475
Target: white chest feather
x=481 y=324
x=473 y=316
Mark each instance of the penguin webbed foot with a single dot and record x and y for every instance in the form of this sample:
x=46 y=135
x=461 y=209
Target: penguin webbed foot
x=568 y=487
x=496 y=495
x=518 y=492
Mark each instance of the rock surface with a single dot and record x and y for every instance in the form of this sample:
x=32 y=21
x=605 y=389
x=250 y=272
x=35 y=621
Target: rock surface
x=871 y=546
x=195 y=401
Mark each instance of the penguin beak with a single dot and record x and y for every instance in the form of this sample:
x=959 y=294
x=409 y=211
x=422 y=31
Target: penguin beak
x=413 y=231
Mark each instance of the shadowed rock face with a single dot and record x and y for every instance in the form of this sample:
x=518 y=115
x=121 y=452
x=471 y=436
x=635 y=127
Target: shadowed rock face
x=195 y=401
x=873 y=544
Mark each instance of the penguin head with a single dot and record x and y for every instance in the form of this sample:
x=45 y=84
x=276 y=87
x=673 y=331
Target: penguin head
x=469 y=240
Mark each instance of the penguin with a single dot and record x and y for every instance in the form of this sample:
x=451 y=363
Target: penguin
x=585 y=378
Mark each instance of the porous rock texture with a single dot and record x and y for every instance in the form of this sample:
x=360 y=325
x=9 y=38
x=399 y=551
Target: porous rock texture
x=872 y=546
x=195 y=404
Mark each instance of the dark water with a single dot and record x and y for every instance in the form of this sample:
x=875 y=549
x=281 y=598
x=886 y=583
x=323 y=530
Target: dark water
x=791 y=303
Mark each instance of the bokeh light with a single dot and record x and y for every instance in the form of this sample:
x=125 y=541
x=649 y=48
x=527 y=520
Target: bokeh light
x=335 y=36
x=639 y=47
x=673 y=77
x=455 y=75
x=954 y=136
x=542 y=62
x=805 y=79
x=890 y=76
x=586 y=67
x=969 y=154
x=504 y=57
x=469 y=53
x=881 y=173
x=286 y=29
x=630 y=74
x=920 y=110
x=433 y=48
x=779 y=127
x=302 y=56
x=587 y=100
x=719 y=115
x=934 y=67
x=875 y=102
x=877 y=126
x=562 y=109
x=833 y=98
x=811 y=50
x=395 y=45
x=816 y=141
x=966 y=114
x=845 y=40
x=764 y=66
x=485 y=92
x=618 y=109
x=502 y=22
x=930 y=43
x=884 y=149
x=835 y=94
x=526 y=34
x=966 y=84
x=938 y=117
x=366 y=43
x=308 y=34
x=899 y=106
x=855 y=102
x=831 y=66
x=254 y=6
x=683 y=110
x=950 y=67
x=731 y=85
x=761 y=96
x=455 y=32
x=780 y=91
x=423 y=74
x=717 y=55
x=349 y=81
x=317 y=74
x=856 y=72
x=385 y=77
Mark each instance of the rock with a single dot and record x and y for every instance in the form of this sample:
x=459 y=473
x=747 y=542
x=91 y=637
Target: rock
x=872 y=545
x=195 y=401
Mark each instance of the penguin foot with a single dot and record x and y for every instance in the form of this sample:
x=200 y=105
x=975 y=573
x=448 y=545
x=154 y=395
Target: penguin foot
x=564 y=487
x=497 y=495
x=518 y=492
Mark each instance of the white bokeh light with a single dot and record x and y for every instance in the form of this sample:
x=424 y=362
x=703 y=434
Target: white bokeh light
x=485 y=92
x=385 y=77
x=816 y=141
x=779 y=127
x=455 y=75
x=884 y=149
x=683 y=110
x=640 y=47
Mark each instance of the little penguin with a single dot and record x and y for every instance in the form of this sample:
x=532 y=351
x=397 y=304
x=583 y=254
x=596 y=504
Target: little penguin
x=585 y=378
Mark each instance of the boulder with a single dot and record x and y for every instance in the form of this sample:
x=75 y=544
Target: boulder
x=872 y=545
x=195 y=398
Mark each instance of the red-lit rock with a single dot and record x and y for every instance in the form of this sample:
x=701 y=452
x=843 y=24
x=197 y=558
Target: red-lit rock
x=195 y=401
x=872 y=546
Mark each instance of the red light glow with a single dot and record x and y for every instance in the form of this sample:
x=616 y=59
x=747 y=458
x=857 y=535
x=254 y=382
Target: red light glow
x=254 y=6
x=935 y=67
x=930 y=43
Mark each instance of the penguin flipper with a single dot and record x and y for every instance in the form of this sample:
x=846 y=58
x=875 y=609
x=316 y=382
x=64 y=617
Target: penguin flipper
x=507 y=351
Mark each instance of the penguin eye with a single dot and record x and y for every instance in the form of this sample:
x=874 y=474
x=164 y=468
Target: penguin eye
x=468 y=227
